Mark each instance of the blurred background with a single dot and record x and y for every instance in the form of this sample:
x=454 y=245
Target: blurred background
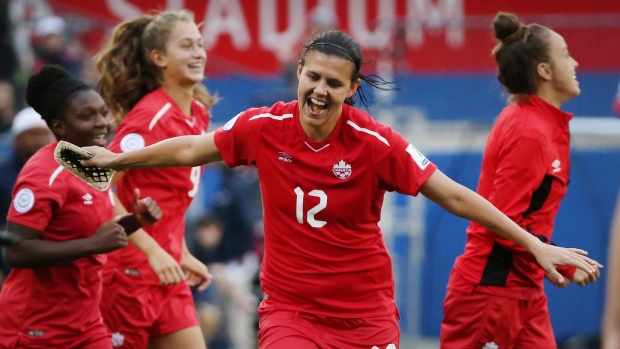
x=437 y=51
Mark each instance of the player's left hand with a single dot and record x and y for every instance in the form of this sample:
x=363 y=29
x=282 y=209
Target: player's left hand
x=197 y=273
x=554 y=281
x=582 y=278
x=146 y=211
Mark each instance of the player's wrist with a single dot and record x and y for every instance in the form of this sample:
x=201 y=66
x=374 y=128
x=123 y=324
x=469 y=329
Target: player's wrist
x=532 y=244
x=130 y=223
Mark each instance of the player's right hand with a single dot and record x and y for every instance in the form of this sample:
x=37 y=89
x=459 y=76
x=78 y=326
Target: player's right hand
x=166 y=267
x=146 y=211
x=101 y=158
x=109 y=237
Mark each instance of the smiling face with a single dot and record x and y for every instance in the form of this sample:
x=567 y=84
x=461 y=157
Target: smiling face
x=324 y=84
x=84 y=120
x=564 y=78
x=183 y=61
x=558 y=80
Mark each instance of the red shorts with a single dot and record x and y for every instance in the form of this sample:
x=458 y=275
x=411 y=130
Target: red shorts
x=134 y=313
x=285 y=329
x=480 y=320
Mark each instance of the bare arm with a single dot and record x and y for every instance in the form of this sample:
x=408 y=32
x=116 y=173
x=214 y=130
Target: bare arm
x=33 y=252
x=163 y=264
x=173 y=152
x=197 y=272
x=465 y=203
x=611 y=318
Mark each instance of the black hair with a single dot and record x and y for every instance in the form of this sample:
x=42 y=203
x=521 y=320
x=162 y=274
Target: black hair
x=339 y=44
x=49 y=89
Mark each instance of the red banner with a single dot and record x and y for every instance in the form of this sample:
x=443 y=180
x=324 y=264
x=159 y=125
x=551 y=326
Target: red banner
x=253 y=36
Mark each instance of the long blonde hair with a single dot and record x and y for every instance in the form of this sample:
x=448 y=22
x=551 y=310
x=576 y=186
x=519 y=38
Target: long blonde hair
x=125 y=70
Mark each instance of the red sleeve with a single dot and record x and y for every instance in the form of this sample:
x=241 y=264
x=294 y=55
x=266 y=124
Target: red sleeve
x=402 y=168
x=237 y=140
x=34 y=202
x=133 y=132
x=567 y=271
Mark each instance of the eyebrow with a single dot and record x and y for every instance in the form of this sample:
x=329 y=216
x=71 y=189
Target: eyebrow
x=187 y=38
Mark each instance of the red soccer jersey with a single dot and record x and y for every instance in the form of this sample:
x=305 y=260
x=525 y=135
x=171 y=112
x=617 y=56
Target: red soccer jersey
x=525 y=170
x=155 y=118
x=324 y=251
x=55 y=304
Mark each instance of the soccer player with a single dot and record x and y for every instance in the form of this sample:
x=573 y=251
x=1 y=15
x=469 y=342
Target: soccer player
x=150 y=74
x=324 y=167
x=495 y=294
x=51 y=297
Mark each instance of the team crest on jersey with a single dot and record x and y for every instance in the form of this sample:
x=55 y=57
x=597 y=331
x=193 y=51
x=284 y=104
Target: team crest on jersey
x=490 y=345
x=342 y=170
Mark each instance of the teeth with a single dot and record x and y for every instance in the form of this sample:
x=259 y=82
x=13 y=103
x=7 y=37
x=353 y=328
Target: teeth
x=317 y=102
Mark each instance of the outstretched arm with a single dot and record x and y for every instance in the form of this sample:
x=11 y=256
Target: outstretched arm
x=173 y=152
x=465 y=203
x=611 y=318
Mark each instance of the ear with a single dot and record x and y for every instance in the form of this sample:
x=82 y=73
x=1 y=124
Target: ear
x=353 y=88
x=58 y=128
x=300 y=67
x=158 y=58
x=544 y=71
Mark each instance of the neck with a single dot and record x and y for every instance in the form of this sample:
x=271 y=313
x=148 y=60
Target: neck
x=551 y=96
x=181 y=95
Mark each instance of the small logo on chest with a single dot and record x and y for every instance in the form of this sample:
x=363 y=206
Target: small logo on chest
x=556 y=166
x=282 y=156
x=88 y=199
x=342 y=170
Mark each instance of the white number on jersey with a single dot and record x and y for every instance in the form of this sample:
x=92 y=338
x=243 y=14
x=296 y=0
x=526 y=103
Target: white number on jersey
x=194 y=176
x=299 y=208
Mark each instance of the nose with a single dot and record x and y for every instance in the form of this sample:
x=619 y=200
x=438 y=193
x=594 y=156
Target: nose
x=576 y=63
x=101 y=120
x=320 y=88
x=200 y=51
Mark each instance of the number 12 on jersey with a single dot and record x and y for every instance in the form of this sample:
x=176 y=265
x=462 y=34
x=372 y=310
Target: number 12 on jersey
x=299 y=207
